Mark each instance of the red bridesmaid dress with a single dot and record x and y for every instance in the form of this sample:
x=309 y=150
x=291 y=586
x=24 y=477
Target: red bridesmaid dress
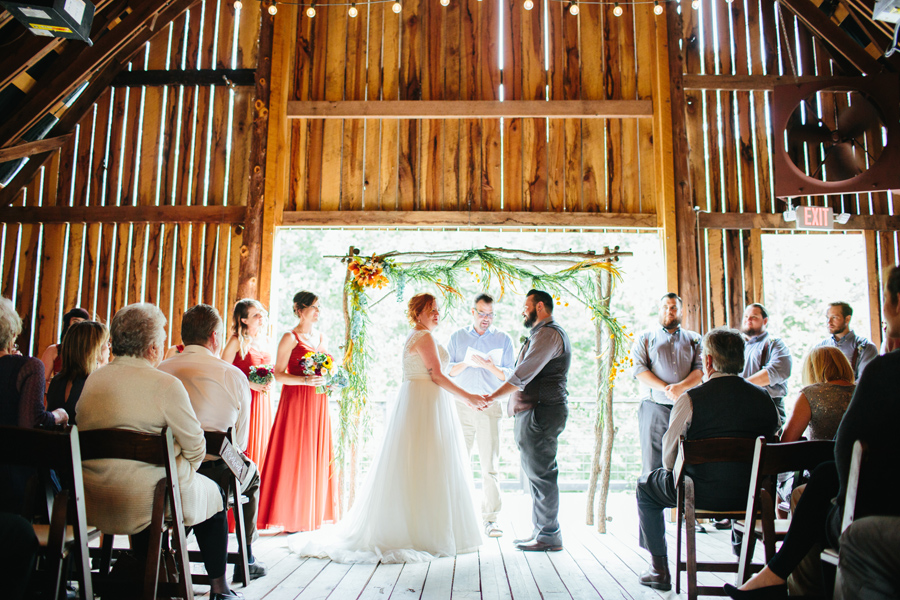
x=260 y=406
x=298 y=485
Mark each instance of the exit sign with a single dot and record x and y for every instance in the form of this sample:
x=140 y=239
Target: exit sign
x=815 y=217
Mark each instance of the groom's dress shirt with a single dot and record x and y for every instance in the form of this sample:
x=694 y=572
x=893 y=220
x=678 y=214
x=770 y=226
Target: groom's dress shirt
x=475 y=380
x=543 y=345
x=219 y=392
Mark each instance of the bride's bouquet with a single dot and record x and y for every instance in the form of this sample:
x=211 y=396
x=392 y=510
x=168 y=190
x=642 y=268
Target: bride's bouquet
x=317 y=364
x=262 y=374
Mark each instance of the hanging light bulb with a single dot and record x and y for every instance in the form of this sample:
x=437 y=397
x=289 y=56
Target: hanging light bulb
x=311 y=11
x=445 y=2
x=573 y=8
x=618 y=10
x=238 y=5
x=657 y=8
x=528 y=4
x=397 y=7
x=353 y=12
x=695 y=4
x=273 y=10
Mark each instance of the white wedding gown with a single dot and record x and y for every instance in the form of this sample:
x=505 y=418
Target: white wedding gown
x=416 y=503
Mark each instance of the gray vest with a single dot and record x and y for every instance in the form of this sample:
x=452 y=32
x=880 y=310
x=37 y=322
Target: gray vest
x=549 y=385
x=727 y=407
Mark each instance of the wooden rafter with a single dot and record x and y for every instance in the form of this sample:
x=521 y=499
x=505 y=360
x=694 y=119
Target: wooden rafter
x=32 y=148
x=77 y=63
x=470 y=109
x=123 y=214
x=228 y=77
x=741 y=83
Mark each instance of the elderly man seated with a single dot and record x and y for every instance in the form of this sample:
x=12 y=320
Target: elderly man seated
x=726 y=405
x=220 y=395
x=130 y=393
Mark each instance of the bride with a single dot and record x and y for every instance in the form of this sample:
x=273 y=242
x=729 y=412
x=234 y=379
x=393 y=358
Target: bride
x=416 y=503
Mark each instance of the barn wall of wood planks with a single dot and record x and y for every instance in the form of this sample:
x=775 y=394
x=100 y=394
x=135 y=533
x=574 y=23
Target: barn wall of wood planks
x=144 y=147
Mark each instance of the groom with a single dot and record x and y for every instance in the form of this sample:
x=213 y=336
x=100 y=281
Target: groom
x=537 y=399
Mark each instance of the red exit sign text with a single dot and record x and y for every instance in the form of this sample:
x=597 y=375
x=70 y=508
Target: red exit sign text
x=815 y=217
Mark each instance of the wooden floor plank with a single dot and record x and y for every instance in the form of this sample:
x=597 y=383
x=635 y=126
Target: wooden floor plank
x=354 y=582
x=573 y=578
x=325 y=582
x=596 y=573
x=382 y=582
x=411 y=582
x=439 y=584
x=294 y=584
x=494 y=583
x=280 y=563
x=466 y=578
x=521 y=581
x=546 y=577
x=625 y=574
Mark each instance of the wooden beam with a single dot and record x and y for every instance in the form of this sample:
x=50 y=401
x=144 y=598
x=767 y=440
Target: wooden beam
x=776 y=222
x=831 y=34
x=742 y=83
x=122 y=214
x=229 y=77
x=76 y=64
x=468 y=220
x=470 y=109
x=252 y=238
x=32 y=148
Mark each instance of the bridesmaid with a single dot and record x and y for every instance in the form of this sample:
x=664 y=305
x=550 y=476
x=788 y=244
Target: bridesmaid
x=245 y=349
x=297 y=490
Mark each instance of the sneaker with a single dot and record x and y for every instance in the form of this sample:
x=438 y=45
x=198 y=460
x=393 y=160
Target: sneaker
x=257 y=569
x=491 y=529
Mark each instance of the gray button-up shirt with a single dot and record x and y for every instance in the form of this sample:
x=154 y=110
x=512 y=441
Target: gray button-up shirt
x=545 y=345
x=852 y=344
x=777 y=362
x=475 y=380
x=669 y=356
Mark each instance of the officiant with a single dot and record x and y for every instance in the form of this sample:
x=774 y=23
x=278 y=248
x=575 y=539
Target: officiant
x=481 y=357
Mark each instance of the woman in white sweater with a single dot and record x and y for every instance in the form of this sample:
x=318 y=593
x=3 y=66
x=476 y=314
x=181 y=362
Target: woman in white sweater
x=130 y=393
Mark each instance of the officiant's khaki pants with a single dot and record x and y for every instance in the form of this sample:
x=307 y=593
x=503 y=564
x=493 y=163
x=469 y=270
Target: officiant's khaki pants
x=484 y=427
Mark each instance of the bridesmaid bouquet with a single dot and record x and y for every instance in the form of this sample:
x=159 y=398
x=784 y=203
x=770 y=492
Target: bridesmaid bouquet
x=262 y=374
x=338 y=380
x=317 y=363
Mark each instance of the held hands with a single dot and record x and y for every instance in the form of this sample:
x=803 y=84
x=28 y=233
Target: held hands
x=314 y=380
x=477 y=402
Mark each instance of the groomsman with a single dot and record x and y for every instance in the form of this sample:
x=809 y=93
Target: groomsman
x=537 y=390
x=481 y=375
x=667 y=364
x=768 y=360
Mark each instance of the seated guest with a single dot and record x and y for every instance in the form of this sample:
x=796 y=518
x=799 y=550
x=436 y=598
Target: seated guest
x=828 y=378
x=220 y=395
x=858 y=350
x=52 y=356
x=872 y=417
x=870 y=559
x=130 y=393
x=18 y=553
x=726 y=405
x=85 y=349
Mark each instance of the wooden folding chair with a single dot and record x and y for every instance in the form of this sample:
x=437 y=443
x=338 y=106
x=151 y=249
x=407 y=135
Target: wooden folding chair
x=67 y=534
x=830 y=555
x=769 y=460
x=697 y=452
x=215 y=442
x=155 y=449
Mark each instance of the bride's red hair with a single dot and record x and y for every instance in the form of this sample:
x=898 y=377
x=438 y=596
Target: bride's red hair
x=416 y=305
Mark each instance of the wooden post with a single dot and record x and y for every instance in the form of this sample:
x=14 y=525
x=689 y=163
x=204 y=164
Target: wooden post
x=609 y=432
x=598 y=421
x=251 y=246
x=343 y=491
x=685 y=225
x=873 y=280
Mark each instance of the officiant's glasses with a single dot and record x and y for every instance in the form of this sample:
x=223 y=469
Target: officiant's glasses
x=483 y=315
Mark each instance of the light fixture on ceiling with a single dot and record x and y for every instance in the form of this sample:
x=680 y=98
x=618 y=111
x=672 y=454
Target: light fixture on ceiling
x=573 y=8
x=842 y=218
x=311 y=11
x=353 y=11
x=790 y=215
x=617 y=11
x=273 y=10
x=657 y=8
x=528 y=4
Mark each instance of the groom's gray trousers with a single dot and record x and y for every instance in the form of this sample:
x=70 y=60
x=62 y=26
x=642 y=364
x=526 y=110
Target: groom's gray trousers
x=537 y=432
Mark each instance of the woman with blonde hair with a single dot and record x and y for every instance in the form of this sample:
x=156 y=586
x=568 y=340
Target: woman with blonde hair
x=246 y=349
x=84 y=349
x=828 y=378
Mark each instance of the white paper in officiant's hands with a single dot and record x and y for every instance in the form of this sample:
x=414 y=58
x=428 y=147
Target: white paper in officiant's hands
x=495 y=356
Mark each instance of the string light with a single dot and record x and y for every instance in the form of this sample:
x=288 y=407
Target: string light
x=396 y=7
x=311 y=11
x=238 y=5
x=273 y=10
x=528 y=4
x=353 y=12
x=657 y=8
x=445 y=2
x=618 y=10
x=695 y=4
x=573 y=8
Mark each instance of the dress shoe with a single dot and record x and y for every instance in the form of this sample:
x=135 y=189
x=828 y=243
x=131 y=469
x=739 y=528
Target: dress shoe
x=722 y=524
x=772 y=592
x=257 y=569
x=538 y=546
x=657 y=576
x=231 y=595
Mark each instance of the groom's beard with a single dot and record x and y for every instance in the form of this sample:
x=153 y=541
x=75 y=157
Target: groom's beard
x=531 y=319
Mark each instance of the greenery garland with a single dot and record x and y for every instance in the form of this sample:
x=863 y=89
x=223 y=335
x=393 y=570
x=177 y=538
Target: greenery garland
x=377 y=271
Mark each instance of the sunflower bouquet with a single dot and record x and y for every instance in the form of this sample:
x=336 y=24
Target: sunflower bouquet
x=317 y=364
x=368 y=272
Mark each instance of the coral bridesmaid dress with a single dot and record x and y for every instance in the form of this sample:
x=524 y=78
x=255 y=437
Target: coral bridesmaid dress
x=260 y=406
x=297 y=490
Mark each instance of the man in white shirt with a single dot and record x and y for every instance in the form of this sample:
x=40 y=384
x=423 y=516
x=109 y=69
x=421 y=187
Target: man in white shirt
x=220 y=397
